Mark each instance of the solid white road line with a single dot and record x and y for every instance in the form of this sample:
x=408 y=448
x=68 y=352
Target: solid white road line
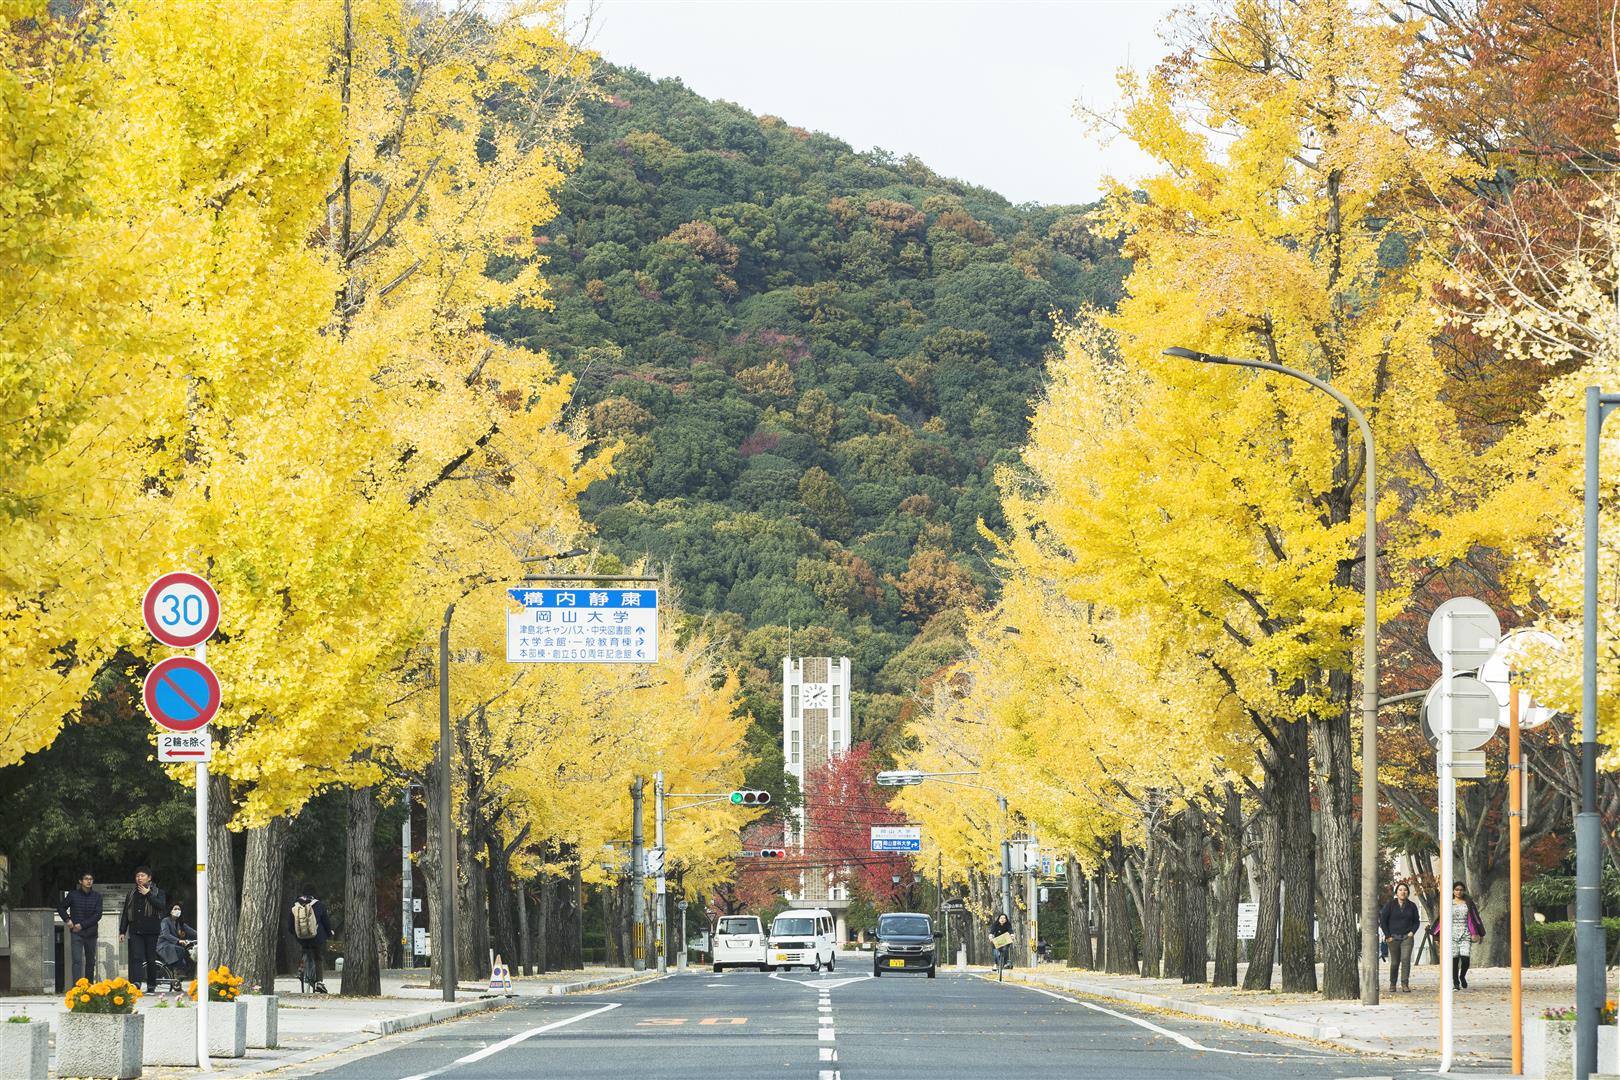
x=1189 y=1043
x=495 y=1048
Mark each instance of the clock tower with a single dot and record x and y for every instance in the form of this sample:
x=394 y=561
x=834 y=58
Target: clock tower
x=816 y=726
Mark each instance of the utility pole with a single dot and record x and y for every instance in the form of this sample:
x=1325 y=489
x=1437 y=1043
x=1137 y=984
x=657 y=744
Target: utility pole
x=444 y=920
x=1006 y=860
x=659 y=935
x=638 y=880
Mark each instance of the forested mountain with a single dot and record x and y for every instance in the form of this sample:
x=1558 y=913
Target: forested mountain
x=815 y=359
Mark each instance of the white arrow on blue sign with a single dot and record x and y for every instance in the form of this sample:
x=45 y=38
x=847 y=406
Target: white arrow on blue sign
x=582 y=626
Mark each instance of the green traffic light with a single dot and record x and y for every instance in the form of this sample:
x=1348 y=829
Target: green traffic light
x=736 y=798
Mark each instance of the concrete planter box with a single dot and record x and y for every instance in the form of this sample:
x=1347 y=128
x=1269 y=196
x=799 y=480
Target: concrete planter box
x=102 y=1046
x=261 y=1022
x=171 y=1033
x=1549 y=1049
x=25 y=1050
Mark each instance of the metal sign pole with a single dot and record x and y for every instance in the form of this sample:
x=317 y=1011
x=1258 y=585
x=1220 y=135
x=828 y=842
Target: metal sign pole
x=1448 y=839
x=1515 y=916
x=659 y=886
x=202 y=900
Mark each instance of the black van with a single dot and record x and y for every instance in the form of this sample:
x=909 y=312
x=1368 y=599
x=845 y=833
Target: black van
x=905 y=942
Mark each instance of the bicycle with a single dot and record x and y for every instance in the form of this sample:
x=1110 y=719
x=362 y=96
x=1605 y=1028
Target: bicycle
x=309 y=973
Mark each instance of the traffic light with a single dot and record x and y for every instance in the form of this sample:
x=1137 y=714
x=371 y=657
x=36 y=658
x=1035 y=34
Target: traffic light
x=772 y=853
x=750 y=798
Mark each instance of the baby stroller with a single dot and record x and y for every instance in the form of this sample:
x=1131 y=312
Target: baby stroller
x=177 y=969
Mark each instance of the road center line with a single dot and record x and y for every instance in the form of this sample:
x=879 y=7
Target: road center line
x=1184 y=1040
x=495 y=1048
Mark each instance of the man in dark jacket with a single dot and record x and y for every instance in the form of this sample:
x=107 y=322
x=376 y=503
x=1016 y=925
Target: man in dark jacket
x=80 y=910
x=1399 y=921
x=139 y=923
x=306 y=921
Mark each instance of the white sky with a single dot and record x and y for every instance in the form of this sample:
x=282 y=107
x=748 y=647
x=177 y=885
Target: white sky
x=981 y=91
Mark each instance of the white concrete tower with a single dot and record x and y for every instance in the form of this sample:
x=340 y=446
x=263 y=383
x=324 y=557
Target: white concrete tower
x=816 y=724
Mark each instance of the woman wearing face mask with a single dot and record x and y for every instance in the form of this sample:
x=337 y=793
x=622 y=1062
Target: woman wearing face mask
x=176 y=938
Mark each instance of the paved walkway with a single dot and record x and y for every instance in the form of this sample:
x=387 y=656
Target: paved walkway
x=313 y=1025
x=1404 y=1025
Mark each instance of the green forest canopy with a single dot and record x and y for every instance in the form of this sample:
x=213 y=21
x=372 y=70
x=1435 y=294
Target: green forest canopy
x=815 y=359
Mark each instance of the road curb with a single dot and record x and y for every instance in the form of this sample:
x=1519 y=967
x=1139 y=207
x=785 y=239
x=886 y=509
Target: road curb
x=1280 y=1025
x=395 y=1024
x=604 y=982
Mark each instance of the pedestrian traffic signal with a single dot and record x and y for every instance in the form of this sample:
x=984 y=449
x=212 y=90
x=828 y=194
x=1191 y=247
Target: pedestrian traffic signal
x=750 y=798
x=771 y=853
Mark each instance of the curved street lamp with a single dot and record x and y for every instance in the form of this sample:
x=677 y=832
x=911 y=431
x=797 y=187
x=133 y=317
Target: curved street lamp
x=1369 y=667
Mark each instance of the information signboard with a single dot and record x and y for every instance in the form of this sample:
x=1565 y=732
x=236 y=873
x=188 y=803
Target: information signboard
x=582 y=626
x=896 y=837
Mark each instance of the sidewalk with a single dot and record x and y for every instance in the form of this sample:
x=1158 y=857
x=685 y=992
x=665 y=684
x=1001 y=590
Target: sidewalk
x=1400 y=1025
x=314 y=1025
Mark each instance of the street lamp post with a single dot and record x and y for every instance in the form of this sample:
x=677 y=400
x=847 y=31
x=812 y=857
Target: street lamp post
x=1369 y=668
x=1589 y=938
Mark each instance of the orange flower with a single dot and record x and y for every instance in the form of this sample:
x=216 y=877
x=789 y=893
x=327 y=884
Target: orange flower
x=118 y=1001
x=84 y=998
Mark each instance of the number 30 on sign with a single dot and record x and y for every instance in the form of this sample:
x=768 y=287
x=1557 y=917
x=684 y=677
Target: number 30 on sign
x=181 y=610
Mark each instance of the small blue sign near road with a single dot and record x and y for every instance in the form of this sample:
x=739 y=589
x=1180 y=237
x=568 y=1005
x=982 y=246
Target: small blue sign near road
x=182 y=694
x=582 y=626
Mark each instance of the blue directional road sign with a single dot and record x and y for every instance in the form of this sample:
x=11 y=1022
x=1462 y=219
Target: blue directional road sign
x=896 y=837
x=182 y=694
x=582 y=626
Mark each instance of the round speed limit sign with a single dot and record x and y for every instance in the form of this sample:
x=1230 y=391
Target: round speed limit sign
x=181 y=610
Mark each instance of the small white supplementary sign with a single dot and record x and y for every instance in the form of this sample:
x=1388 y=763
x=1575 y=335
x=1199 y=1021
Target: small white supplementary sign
x=176 y=746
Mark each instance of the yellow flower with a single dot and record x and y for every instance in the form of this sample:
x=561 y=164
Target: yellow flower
x=84 y=998
x=118 y=1001
x=82 y=982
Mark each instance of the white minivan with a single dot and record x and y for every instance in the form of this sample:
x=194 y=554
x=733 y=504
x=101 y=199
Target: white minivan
x=739 y=940
x=803 y=938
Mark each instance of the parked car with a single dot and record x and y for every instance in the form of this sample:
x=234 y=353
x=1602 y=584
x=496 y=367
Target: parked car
x=803 y=938
x=739 y=941
x=905 y=942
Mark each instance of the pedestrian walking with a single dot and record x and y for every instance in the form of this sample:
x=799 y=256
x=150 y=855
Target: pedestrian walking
x=1466 y=928
x=139 y=924
x=176 y=939
x=1400 y=922
x=80 y=911
x=307 y=922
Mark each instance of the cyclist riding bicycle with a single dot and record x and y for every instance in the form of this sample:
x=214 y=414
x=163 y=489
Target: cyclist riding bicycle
x=1001 y=937
x=308 y=923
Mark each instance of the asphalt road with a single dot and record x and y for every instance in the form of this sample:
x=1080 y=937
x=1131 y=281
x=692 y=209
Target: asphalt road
x=746 y=1025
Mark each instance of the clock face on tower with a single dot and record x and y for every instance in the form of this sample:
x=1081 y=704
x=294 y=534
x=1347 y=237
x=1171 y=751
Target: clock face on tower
x=817 y=695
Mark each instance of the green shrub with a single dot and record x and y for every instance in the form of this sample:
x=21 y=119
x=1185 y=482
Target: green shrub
x=1553 y=943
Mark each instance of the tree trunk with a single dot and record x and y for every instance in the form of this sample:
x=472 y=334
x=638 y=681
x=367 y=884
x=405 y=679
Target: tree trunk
x=1298 y=862
x=1228 y=881
x=1268 y=878
x=1172 y=891
x=545 y=936
x=1080 y=955
x=262 y=870
x=1195 y=898
x=431 y=864
x=576 y=930
x=223 y=895
x=361 y=974
x=1120 y=950
x=503 y=905
x=1339 y=854
x=1148 y=907
x=525 y=939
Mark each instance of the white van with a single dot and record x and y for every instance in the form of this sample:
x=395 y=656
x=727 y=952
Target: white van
x=803 y=938
x=739 y=940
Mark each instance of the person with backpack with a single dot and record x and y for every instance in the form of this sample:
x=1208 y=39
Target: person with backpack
x=307 y=922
